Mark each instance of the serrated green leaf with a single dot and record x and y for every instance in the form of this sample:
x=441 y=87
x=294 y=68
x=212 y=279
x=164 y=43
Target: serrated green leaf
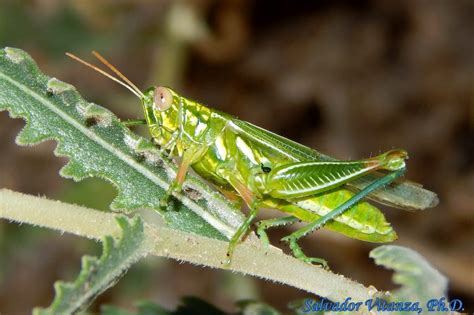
x=99 y=274
x=419 y=280
x=98 y=145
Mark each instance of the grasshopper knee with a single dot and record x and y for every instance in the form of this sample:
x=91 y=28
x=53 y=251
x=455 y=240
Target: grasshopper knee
x=394 y=160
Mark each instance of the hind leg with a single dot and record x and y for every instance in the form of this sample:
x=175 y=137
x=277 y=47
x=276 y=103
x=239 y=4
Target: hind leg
x=294 y=237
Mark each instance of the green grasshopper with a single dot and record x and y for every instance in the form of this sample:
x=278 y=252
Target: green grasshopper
x=266 y=170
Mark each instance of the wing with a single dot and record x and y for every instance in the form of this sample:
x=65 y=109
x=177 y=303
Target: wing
x=287 y=148
x=401 y=194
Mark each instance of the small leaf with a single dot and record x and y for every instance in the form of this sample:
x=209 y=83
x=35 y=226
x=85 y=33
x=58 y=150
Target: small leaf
x=419 y=280
x=99 y=274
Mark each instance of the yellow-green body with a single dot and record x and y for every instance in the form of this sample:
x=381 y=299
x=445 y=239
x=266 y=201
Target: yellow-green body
x=267 y=170
x=224 y=145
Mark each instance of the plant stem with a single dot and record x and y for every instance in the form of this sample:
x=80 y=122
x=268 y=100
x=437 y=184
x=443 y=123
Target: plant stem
x=250 y=257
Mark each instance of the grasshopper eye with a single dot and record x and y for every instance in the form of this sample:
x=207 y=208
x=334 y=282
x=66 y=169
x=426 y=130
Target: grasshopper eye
x=162 y=99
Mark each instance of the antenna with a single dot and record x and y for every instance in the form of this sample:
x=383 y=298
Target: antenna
x=117 y=72
x=139 y=95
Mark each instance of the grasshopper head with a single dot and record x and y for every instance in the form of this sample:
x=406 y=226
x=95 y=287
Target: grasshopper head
x=160 y=106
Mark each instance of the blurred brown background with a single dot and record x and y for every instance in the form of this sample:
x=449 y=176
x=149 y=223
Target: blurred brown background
x=349 y=78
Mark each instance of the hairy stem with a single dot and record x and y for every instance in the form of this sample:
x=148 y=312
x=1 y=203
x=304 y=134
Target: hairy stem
x=250 y=257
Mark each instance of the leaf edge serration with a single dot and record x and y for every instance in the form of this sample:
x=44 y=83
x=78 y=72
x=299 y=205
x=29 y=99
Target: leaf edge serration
x=31 y=134
x=99 y=274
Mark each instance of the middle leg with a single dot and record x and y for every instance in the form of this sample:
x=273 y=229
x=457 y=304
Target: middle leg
x=250 y=199
x=271 y=223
